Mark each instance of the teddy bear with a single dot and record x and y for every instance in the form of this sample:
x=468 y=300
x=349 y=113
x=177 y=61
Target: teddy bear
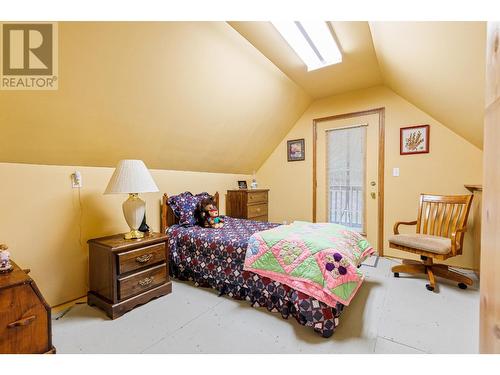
x=208 y=214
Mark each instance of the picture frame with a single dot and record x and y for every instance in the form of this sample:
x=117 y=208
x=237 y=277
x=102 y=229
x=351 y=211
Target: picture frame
x=242 y=185
x=414 y=140
x=296 y=150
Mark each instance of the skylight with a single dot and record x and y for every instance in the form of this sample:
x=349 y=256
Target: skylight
x=312 y=41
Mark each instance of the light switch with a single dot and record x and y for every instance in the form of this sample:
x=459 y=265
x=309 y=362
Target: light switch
x=395 y=172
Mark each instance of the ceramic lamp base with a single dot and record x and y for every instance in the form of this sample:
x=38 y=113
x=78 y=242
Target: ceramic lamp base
x=133 y=234
x=134 y=209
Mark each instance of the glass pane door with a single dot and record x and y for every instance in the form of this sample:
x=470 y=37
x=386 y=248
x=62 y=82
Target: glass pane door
x=345 y=169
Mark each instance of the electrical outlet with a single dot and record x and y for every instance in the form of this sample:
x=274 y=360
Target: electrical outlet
x=76 y=180
x=395 y=172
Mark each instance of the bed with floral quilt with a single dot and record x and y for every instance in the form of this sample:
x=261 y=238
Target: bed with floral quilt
x=307 y=271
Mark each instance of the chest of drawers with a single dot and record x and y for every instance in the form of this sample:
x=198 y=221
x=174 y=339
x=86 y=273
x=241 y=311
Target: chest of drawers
x=126 y=273
x=25 y=325
x=248 y=204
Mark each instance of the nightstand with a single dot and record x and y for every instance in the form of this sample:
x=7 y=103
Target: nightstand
x=126 y=273
x=247 y=204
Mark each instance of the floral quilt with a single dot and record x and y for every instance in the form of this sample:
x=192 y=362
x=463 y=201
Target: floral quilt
x=320 y=260
x=214 y=258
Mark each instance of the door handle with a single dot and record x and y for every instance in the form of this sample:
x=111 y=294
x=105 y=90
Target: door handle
x=373 y=195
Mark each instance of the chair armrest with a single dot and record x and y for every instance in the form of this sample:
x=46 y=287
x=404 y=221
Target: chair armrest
x=454 y=239
x=396 y=226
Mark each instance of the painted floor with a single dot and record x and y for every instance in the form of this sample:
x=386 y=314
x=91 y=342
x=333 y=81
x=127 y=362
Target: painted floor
x=388 y=315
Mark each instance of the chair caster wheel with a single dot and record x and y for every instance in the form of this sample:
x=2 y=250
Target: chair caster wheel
x=396 y=274
x=429 y=287
x=462 y=286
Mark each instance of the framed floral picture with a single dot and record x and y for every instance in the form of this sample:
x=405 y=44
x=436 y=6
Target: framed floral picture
x=414 y=140
x=296 y=150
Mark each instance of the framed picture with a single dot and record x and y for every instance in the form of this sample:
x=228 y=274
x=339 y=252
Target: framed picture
x=296 y=150
x=414 y=140
x=242 y=185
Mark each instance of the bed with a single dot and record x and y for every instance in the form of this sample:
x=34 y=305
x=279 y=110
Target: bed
x=215 y=258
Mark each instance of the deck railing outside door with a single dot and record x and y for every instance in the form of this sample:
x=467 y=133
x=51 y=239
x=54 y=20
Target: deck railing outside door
x=346 y=206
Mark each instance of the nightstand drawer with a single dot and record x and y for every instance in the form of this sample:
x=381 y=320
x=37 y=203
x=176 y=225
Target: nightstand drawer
x=139 y=258
x=257 y=210
x=142 y=281
x=257 y=197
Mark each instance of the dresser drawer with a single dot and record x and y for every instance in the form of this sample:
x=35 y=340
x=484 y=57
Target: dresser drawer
x=257 y=197
x=139 y=258
x=257 y=210
x=139 y=282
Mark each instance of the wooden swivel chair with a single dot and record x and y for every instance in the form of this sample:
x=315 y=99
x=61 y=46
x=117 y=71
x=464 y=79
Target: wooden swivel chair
x=441 y=225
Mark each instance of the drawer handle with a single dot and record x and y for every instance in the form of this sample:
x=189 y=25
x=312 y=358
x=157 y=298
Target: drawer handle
x=144 y=258
x=146 y=281
x=22 y=322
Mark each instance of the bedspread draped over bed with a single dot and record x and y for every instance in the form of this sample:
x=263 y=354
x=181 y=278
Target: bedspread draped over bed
x=215 y=258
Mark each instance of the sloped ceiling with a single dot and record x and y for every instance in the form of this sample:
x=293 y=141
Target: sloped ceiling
x=359 y=68
x=199 y=96
x=439 y=67
x=178 y=95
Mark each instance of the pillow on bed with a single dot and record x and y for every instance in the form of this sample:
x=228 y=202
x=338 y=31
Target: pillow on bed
x=184 y=206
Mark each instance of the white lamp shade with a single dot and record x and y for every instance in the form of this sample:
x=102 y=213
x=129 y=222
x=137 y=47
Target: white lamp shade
x=131 y=176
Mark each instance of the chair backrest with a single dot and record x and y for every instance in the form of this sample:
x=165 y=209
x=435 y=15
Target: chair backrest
x=442 y=215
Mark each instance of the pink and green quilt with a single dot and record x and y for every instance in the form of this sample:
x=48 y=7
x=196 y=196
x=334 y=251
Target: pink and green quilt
x=319 y=259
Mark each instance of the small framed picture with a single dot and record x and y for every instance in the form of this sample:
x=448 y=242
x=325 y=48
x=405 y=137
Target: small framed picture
x=296 y=150
x=242 y=185
x=414 y=140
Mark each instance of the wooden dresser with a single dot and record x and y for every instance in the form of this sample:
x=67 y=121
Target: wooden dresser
x=126 y=273
x=247 y=204
x=25 y=323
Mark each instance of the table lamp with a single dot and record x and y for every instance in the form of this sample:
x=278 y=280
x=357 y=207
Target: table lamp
x=132 y=177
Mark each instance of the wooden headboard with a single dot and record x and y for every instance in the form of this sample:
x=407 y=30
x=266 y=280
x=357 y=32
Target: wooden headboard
x=167 y=214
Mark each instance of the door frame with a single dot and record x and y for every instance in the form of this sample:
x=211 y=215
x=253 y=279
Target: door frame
x=381 y=160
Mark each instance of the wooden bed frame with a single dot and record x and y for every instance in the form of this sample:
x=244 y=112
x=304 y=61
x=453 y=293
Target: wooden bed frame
x=167 y=214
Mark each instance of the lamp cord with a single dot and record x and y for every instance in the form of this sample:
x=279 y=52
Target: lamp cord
x=80 y=227
x=80 y=219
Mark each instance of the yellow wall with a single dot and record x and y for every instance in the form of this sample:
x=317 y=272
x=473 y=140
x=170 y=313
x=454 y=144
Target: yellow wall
x=193 y=96
x=178 y=95
x=439 y=67
x=451 y=163
x=42 y=222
